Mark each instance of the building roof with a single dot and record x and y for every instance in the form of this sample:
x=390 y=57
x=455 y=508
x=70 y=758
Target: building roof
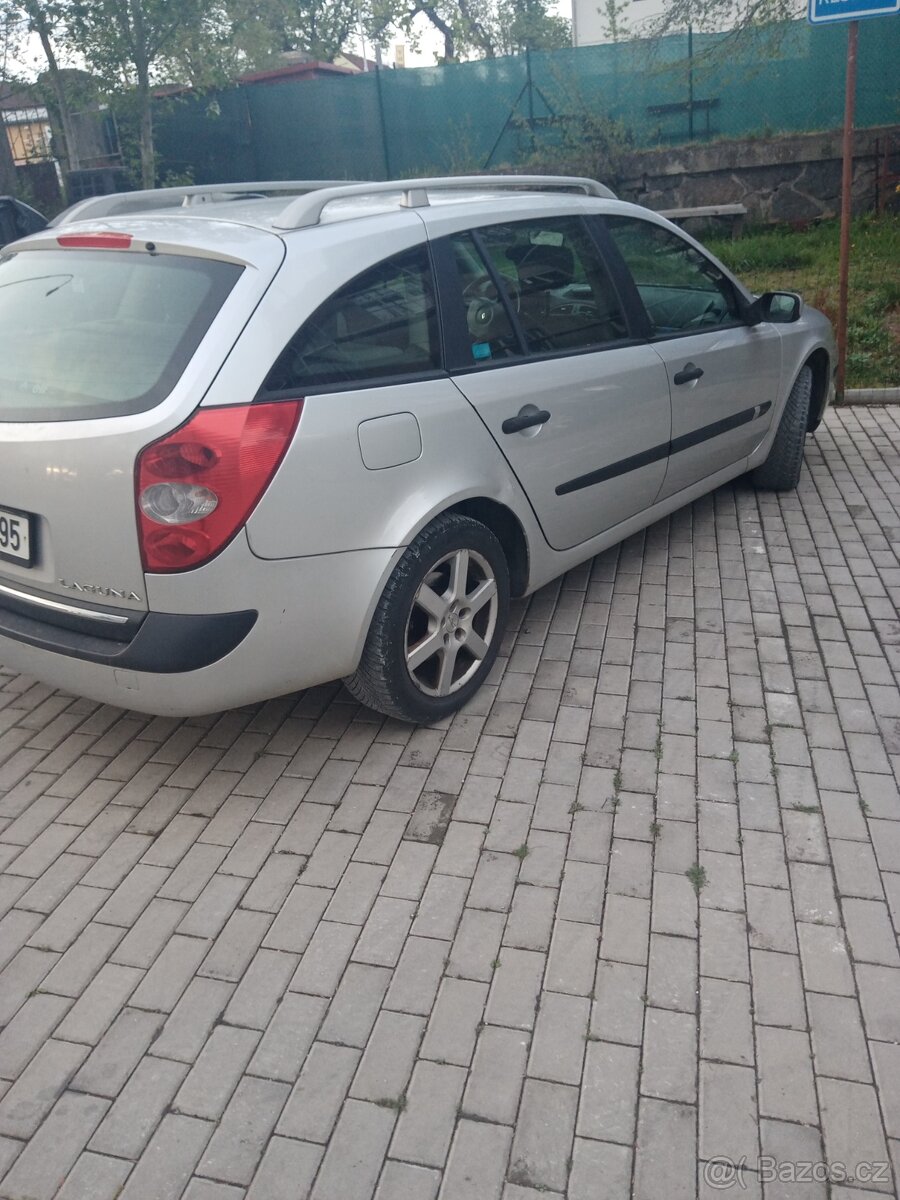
x=307 y=69
x=300 y=70
x=21 y=97
x=357 y=60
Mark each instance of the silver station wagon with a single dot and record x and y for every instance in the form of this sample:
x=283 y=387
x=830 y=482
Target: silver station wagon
x=258 y=436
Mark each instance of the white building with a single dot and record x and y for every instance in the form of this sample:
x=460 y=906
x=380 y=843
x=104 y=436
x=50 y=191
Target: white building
x=596 y=21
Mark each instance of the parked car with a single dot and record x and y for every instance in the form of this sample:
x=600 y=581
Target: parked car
x=252 y=441
x=18 y=219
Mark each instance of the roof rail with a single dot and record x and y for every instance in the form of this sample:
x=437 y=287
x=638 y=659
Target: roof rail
x=307 y=209
x=118 y=203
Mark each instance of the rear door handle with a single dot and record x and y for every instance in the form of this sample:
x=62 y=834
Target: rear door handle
x=525 y=421
x=687 y=373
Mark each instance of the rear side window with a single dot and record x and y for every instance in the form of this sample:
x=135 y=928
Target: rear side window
x=491 y=333
x=557 y=284
x=535 y=285
x=380 y=326
x=100 y=333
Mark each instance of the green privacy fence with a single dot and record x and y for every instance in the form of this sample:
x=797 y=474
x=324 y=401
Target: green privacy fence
x=483 y=114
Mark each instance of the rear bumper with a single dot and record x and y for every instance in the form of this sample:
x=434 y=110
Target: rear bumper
x=289 y=624
x=164 y=643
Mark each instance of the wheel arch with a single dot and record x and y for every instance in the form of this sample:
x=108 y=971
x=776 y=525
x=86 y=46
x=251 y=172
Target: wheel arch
x=819 y=363
x=507 y=529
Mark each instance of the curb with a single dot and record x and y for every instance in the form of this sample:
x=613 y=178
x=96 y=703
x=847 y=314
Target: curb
x=888 y=395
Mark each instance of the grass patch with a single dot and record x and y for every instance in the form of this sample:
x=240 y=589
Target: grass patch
x=806 y=261
x=697 y=875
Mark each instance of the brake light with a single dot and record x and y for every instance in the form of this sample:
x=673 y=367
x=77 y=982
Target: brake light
x=196 y=487
x=96 y=241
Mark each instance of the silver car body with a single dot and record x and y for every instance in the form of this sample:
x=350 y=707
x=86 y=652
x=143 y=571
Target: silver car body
x=367 y=469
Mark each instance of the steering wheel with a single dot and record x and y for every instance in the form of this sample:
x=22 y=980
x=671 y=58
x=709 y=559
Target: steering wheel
x=711 y=310
x=483 y=288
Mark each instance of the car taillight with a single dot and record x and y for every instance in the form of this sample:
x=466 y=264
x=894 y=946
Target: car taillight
x=197 y=486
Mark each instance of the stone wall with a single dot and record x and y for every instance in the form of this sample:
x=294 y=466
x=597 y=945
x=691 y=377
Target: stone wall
x=791 y=178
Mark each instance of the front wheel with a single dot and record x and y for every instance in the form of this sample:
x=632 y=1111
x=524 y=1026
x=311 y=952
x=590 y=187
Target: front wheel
x=438 y=625
x=781 y=470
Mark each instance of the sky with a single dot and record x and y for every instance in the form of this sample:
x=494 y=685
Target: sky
x=431 y=43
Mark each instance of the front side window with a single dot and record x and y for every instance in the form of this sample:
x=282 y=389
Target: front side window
x=100 y=333
x=381 y=325
x=682 y=291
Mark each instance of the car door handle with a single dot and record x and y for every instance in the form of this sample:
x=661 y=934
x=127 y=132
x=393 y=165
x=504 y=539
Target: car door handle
x=687 y=373
x=525 y=421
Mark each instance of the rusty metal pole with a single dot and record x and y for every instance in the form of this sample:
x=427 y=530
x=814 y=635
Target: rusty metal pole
x=846 y=189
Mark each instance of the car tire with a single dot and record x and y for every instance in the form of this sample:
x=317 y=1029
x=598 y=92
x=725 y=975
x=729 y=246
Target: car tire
x=428 y=650
x=781 y=469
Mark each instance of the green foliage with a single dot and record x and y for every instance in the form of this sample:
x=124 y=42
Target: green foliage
x=613 y=20
x=529 y=25
x=319 y=27
x=725 y=14
x=578 y=139
x=770 y=251
x=697 y=875
x=806 y=260
x=178 y=179
x=473 y=28
x=462 y=155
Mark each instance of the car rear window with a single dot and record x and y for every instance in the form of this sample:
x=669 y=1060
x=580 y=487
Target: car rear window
x=100 y=333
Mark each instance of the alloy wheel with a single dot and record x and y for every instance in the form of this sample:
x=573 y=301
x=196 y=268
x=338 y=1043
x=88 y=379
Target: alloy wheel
x=452 y=623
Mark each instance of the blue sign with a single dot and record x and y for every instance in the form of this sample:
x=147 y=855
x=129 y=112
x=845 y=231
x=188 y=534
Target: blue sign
x=823 y=12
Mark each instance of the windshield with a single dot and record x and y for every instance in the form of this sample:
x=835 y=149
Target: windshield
x=100 y=333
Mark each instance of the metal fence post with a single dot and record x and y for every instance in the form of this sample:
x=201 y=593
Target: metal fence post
x=382 y=122
x=846 y=206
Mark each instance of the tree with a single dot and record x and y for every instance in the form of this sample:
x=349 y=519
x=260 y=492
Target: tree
x=319 y=27
x=44 y=20
x=474 y=28
x=529 y=25
x=131 y=44
x=717 y=15
x=134 y=45
x=612 y=17
x=9 y=38
x=122 y=40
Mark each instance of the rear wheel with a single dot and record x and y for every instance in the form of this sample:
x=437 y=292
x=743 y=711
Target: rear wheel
x=437 y=628
x=781 y=470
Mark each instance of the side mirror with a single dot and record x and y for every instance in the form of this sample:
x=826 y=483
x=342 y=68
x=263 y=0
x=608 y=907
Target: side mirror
x=779 y=308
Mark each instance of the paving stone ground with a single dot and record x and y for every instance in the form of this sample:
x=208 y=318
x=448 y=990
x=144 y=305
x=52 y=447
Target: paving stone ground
x=628 y=919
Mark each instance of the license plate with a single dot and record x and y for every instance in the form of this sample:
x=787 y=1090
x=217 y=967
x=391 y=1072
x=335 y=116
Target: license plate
x=16 y=539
